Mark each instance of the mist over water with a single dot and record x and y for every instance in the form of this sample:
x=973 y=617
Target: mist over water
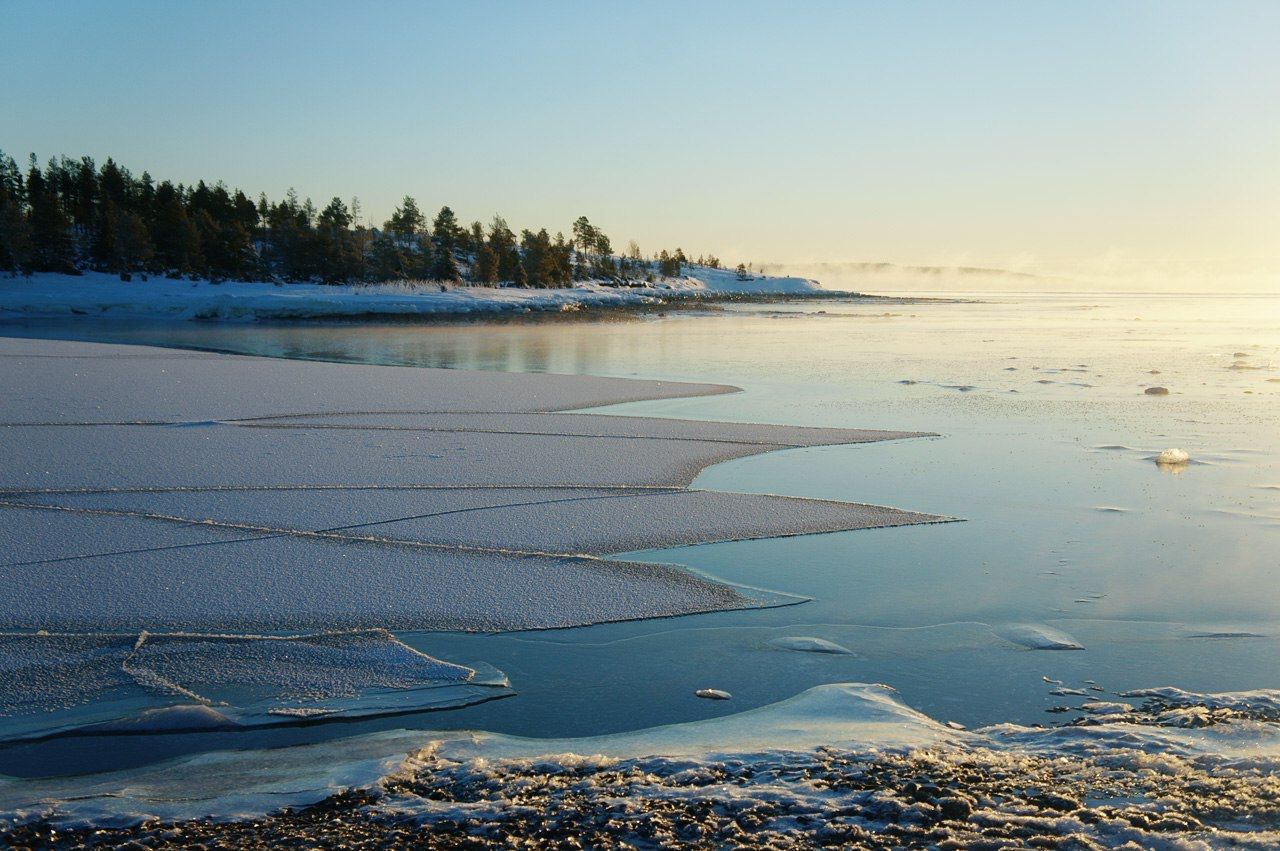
x=1110 y=274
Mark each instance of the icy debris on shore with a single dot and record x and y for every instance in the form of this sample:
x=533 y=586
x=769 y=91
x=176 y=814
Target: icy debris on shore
x=1184 y=708
x=840 y=765
x=1157 y=391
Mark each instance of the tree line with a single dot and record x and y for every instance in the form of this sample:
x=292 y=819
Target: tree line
x=74 y=215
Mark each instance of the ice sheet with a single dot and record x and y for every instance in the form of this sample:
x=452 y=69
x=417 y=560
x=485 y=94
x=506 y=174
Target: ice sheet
x=543 y=520
x=105 y=683
x=117 y=439
x=64 y=381
x=293 y=583
x=75 y=456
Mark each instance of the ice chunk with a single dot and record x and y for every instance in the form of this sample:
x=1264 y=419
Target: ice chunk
x=713 y=694
x=168 y=719
x=1173 y=457
x=809 y=644
x=1038 y=637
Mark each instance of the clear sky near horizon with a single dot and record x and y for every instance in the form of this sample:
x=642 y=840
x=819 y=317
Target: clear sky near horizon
x=1036 y=136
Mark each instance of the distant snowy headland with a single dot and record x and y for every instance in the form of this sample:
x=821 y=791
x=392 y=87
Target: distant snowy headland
x=101 y=294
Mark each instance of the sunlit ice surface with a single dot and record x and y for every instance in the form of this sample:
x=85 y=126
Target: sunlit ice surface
x=1164 y=574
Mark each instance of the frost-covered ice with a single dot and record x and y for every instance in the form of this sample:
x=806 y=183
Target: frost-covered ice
x=288 y=582
x=99 y=294
x=54 y=682
x=309 y=502
x=844 y=764
x=69 y=382
x=541 y=520
x=150 y=490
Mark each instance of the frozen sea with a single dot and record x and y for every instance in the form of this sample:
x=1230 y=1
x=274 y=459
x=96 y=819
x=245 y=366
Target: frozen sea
x=1083 y=565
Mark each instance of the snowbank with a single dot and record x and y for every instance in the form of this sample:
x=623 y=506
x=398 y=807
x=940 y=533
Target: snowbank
x=100 y=294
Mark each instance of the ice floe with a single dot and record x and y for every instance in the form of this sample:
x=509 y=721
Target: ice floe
x=1038 y=637
x=809 y=644
x=713 y=694
x=109 y=683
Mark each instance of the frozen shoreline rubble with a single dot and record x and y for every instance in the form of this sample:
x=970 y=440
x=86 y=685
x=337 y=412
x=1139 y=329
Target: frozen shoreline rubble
x=161 y=491
x=103 y=295
x=841 y=764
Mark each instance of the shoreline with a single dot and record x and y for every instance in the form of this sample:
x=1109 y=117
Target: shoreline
x=102 y=296
x=841 y=764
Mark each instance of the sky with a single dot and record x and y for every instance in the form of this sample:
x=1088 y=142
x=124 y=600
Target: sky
x=1037 y=136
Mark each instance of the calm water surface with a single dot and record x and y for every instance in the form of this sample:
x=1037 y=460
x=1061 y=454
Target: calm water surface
x=1166 y=576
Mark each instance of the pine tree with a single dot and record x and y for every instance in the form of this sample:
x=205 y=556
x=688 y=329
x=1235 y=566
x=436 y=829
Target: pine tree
x=406 y=222
x=177 y=243
x=536 y=258
x=422 y=261
x=15 y=233
x=503 y=242
x=338 y=258
x=84 y=206
x=387 y=259
x=665 y=264
x=446 y=230
x=102 y=246
x=15 y=238
x=52 y=248
x=561 y=261
x=133 y=250
x=444 y=267
x=485 y=269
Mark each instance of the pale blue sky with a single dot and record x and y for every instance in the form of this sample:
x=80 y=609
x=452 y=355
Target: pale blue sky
x=1014 y=133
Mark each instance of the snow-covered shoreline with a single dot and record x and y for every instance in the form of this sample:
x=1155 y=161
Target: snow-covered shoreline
x=846 y=764
x=103 y=295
